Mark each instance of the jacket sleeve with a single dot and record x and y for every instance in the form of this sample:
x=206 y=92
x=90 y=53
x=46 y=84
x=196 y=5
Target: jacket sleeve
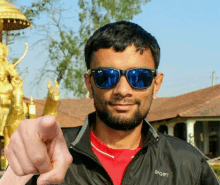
x=33 y=180
x=208 y=176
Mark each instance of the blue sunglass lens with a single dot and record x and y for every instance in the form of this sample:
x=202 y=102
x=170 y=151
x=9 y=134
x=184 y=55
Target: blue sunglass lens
x=106 y=78
x=140 y=78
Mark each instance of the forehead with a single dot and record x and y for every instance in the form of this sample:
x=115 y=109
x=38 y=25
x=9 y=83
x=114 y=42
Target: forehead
x=130 y=58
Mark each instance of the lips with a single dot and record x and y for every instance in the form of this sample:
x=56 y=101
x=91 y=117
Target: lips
x=122 y=107
x=122 y=104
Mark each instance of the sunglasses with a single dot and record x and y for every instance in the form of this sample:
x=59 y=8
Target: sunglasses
x=138 y=78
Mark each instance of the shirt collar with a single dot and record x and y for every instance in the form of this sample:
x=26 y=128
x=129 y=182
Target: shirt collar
x=82 y=141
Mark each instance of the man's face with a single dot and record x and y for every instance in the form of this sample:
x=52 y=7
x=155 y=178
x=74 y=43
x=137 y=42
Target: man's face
x=122 y=107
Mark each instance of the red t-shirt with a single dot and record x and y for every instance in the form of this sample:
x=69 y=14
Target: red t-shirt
x=114 y=161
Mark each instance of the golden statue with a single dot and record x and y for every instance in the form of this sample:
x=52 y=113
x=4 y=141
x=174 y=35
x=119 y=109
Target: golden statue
x=11 y=19
x=7 y=74
x=5 y=98
x=16 y=113
x=52 y=100
x=31 y=109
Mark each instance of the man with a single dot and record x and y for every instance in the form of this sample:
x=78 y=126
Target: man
x=116 y=145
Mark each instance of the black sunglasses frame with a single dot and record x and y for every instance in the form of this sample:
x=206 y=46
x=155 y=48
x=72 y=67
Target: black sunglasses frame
x=123 y=73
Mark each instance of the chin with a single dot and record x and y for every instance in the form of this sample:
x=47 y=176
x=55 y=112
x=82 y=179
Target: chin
x=124 y=114
x=119 y=118
x=123 y=121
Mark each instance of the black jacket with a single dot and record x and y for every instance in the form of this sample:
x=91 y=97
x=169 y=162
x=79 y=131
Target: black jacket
x=163 y=160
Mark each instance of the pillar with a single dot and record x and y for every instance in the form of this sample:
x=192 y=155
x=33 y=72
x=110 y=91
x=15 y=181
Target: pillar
x=206 y=137
x=190 y=131
x=171 y=128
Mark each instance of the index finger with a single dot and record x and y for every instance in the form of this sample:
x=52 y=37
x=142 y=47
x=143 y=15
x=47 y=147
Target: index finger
x=35 y=147
x=47 y=128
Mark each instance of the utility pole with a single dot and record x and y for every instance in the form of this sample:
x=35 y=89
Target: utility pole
x=213 y=78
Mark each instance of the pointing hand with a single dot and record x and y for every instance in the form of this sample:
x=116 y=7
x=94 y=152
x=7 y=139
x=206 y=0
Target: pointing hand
x=38 y=147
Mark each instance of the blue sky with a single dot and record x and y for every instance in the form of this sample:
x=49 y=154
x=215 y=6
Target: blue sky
x=188 y=33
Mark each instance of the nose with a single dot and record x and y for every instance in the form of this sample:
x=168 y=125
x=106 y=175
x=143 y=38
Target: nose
x=123 y=88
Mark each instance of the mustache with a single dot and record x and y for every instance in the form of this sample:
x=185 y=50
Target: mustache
x=124 y=101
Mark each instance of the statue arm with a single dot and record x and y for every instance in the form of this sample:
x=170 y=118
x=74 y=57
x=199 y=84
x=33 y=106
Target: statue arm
x=12 y=71
x=5 y=102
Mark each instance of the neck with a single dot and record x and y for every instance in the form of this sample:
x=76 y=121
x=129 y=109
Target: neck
x=117 y=139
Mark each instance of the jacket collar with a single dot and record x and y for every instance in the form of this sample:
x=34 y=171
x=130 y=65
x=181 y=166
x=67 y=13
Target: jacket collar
x=82 y=141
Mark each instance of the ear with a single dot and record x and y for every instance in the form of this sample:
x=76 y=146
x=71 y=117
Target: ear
x=88 y=83
x=157 y=84
x=48 y=84
x=56 y=84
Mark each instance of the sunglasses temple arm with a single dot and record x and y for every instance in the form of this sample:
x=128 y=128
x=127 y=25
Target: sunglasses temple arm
x=155 y=73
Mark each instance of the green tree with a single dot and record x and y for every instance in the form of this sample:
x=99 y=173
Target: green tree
x=66 y=54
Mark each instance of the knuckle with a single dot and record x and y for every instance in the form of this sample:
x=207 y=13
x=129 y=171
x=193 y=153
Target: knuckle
x=31 y=170
x=14 y=136
x=70 y=159
x=19 y=173
x=21 y=124
x=6 y=150
x=58 y=179
x=38 y=160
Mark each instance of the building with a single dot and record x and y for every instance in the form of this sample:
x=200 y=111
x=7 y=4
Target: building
x=193 y=117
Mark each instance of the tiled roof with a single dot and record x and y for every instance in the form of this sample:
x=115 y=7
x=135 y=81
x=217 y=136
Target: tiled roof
x=200 y=103
x=70 y=112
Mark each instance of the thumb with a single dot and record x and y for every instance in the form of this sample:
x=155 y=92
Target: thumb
x=55 y=176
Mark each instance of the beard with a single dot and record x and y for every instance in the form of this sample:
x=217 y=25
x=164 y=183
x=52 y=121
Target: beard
x=121 y=123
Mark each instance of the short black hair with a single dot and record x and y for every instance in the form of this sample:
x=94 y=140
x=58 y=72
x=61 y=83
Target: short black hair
x=120 y=35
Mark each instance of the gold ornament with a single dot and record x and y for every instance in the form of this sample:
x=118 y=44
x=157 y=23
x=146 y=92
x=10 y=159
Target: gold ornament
x=16 y=113
x=32 y=109
x=4 y=48
x=53 y=97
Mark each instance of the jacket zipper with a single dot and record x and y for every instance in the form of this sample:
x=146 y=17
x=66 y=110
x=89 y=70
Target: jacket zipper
x=94 y=161
x=135 y=157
